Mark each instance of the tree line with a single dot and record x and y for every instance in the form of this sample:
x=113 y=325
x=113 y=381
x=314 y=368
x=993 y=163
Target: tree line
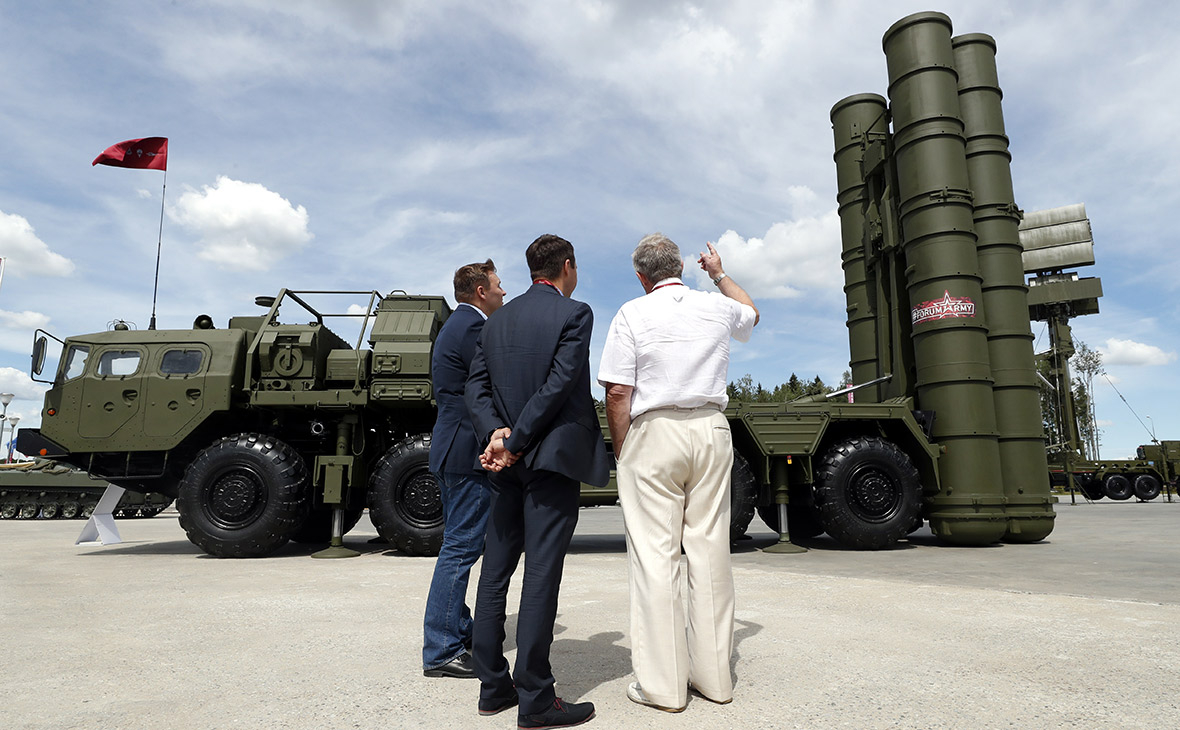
x=1086 y=364
x=746 y=390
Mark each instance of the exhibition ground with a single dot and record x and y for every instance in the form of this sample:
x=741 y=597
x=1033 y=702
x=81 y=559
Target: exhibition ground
x=1080 y=631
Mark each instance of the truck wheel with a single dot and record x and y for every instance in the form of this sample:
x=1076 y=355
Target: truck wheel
x=318 y=527
x=868 y=493
x=743 y=495
x=1147 y=487
x=405 y=503
x=244 y=496
x=1089 y=486
x=1117 y=487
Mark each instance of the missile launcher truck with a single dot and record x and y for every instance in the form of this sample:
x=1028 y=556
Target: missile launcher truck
x=1056 y=241
x=268 y=431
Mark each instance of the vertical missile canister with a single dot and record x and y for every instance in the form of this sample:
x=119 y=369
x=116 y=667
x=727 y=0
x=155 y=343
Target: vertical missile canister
x=942 y=273
x=1023 y=464
x=856 y=122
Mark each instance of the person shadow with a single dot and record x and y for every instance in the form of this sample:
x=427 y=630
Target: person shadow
x=581 y=665
x=742 y=630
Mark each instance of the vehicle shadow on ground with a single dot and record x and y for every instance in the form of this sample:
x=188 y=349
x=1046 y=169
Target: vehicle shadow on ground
x=127 y=547
x=184 y=547
x=594 y=544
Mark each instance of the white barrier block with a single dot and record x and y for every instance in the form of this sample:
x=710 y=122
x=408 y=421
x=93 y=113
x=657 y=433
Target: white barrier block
x=101 y=525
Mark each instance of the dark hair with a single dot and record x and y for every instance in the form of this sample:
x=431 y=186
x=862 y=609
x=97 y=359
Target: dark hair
x=470 y=277
x=547 y=255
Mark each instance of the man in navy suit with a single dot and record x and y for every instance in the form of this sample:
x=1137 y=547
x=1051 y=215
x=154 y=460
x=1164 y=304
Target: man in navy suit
x=529 y=398
x=464 y=484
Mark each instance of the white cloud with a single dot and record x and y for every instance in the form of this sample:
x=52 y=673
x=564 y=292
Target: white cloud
x=22 y=386
x=242 y=225
x=26 y=255
x=25 y=320
x=1130 y=352
x=792 y=258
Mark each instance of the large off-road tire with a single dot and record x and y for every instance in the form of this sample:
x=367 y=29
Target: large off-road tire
x=405 y=502
x=868 y=493
x=1117 y=487
x=1089 y=486
x=244 y=496
x=743 y=495
x=318 y=526
x=1147 y=487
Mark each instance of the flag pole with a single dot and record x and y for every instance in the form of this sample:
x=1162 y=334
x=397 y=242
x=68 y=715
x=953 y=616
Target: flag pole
x=159 y=242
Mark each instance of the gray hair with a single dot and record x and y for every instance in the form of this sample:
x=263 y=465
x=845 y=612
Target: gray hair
x=657 y=258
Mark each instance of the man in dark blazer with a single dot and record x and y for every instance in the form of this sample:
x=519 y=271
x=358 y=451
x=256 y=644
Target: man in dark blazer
x=463 y=482
x=529 y=398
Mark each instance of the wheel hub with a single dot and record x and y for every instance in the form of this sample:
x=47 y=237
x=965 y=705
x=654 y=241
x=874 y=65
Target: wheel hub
x=236 y=498
x=421 y=501
x=874 y=496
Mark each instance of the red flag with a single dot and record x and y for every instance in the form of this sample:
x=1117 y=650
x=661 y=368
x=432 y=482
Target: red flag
x=149 y=153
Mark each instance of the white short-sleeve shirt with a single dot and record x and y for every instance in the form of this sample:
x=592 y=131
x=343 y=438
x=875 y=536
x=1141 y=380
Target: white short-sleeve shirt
x=672 y=346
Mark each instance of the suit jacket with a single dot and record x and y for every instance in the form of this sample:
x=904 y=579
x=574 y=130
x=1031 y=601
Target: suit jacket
x=531 y=372
x=453 y=444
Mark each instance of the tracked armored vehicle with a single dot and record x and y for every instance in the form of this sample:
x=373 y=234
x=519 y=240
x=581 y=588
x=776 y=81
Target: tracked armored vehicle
x=271 y=430
x=47 y=490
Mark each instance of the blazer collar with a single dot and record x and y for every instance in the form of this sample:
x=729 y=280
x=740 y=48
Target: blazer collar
x=545 y=288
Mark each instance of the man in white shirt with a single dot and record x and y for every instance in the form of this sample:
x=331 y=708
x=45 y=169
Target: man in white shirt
x=665 y=368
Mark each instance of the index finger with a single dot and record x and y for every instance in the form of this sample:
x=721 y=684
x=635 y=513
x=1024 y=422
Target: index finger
x=711 y=249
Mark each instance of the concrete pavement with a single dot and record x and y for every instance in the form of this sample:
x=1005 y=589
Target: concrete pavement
x=1081 y=631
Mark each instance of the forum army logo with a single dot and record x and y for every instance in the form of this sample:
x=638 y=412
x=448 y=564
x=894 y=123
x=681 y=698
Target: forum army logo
x=943 y=308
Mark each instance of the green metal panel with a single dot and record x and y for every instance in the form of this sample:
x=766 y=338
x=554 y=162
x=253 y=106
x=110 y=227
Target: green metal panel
x=1015 y=389
x=403 y=390
x=331 y=398
x=1079 y=296
x=779 y=430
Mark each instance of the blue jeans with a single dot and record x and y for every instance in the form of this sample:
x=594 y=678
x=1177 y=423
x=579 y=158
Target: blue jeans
x=447 y=626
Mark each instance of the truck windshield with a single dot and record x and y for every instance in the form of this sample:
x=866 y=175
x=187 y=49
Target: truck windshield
x=75 y=362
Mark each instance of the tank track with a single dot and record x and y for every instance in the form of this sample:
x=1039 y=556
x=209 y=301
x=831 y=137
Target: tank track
x=52 y=491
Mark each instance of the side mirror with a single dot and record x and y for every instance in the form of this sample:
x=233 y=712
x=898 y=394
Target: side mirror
x=39 y=345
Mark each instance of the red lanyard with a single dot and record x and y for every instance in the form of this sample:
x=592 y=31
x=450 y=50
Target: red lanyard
x=670 y=283
x=546 y=281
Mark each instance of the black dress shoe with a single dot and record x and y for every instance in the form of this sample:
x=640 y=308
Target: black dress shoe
x=496 y=705
x=559 y=715
x=462 y=666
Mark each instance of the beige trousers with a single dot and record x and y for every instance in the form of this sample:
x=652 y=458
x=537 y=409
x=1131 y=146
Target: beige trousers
x=673 y=482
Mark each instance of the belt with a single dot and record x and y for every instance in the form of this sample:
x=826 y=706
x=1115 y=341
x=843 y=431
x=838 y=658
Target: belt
x=682 y=409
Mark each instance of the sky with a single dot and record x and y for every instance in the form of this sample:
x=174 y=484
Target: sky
x=378 y=145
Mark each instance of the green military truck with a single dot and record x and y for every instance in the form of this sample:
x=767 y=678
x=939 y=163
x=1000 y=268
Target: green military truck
x=273 y=430
x=265 y=429
x=1154 y=470
x=1056 y=242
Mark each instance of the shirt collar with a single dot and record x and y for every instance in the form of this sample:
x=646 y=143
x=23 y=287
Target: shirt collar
x=670 y=281
x=469 y=304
